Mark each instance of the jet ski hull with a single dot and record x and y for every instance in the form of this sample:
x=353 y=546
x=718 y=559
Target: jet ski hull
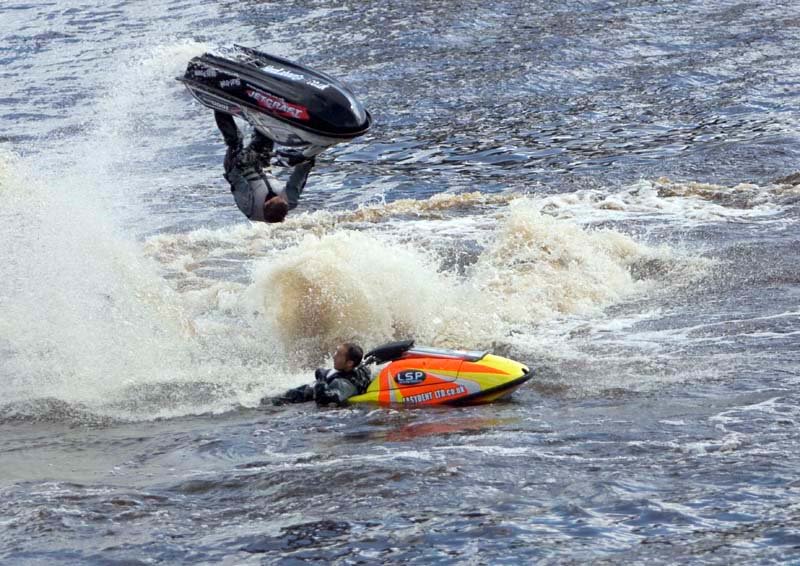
x=292 y=105
x=427 y=376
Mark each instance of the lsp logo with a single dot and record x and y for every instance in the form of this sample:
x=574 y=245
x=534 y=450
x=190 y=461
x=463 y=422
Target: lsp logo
x=410 y=377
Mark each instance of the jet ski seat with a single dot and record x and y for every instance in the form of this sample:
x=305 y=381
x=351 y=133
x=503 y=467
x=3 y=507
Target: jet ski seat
x=389 y=352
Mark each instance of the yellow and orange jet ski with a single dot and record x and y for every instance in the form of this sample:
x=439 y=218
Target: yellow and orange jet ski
x=419 y=376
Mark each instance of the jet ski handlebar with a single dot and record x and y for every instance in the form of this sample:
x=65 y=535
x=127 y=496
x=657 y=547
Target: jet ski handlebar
x=388 y=352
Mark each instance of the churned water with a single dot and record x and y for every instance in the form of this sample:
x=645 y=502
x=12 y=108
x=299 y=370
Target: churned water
x=607 y=191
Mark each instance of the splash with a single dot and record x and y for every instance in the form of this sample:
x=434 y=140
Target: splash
x=348 y=286
x=86 y=316
x=373 y=287
x=539 y=267
x=87 y=319
x=78 y=297
x=437 y=206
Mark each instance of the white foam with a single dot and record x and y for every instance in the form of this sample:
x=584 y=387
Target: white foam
x=679 y=204
x=373 y=287
x=86 y=317
x=78 y=299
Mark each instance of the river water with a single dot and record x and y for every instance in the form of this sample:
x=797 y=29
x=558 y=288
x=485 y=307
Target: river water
x=606 y=191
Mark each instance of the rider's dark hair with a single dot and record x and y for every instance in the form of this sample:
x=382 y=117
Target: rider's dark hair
x=354 y=353
x=275 y=210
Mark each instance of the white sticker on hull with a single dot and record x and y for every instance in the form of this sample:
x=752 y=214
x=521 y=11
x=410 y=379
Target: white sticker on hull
x=286 y=73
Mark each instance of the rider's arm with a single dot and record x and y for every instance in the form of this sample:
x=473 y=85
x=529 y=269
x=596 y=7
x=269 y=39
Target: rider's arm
x=230 y=131
x=338 y=391
x=297 y=182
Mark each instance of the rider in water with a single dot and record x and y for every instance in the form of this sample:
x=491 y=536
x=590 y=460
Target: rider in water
x=347 y=378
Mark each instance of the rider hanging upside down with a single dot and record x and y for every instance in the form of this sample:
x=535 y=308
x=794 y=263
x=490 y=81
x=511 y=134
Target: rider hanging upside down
x=258 y=195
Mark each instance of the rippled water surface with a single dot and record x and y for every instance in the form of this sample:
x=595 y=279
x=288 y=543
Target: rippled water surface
x=605 y=191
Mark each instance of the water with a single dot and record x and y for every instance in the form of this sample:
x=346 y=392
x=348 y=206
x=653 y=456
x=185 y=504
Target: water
x=602 y=190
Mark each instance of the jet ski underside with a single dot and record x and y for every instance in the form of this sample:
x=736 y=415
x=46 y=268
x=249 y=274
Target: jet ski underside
x=292 y=105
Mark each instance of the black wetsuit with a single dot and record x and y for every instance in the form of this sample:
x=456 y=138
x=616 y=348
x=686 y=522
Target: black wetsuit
x=331 y=386
x=244 y=170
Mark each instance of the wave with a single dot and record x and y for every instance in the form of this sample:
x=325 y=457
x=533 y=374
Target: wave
x=745 y=196
x=374 y=286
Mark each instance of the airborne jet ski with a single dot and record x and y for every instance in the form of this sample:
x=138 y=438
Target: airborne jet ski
x=293 y=105
x=419 y=376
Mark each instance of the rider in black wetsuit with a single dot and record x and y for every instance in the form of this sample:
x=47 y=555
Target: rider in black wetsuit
x=259 y=196
x=347 y=378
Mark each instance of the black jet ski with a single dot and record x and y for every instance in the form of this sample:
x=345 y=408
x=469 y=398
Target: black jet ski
x=293 y=105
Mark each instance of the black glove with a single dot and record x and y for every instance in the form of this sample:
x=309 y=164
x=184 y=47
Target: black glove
x=322 y=396
x=321 y=374
x=261 y=144
x=246 y=156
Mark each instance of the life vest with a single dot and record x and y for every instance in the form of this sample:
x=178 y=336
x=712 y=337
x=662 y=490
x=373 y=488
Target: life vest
x=360 y=377
x=263 y=186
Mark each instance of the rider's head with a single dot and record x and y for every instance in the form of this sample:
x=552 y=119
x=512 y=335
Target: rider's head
x=347 y=356
x=275 y=209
